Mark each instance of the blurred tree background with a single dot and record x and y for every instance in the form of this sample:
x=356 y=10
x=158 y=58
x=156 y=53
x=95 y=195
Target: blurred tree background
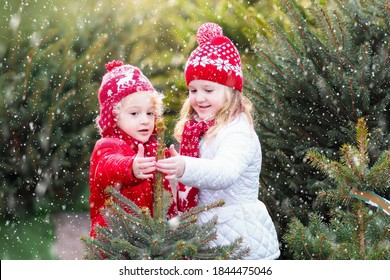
x=52 y=56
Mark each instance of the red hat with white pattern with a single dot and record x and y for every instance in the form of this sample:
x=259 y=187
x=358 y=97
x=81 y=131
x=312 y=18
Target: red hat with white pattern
x=216 y=58
x=120 y=81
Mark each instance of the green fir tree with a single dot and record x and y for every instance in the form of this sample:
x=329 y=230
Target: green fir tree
x=46 y=119
x=313 y=81
x=134 y=234
x=359 y=224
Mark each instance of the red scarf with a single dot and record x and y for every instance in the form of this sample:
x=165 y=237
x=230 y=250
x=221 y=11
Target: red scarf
x=150 y=146
x=189 y=146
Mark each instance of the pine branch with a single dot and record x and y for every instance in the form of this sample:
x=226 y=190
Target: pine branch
x=126 y=204
x=232 y=252
x=130 y=224
x=335 y=41
x=334 y=197
x=202 y=208
x=276 y=67
x=333 y=169
x=122 y=245
x=290 y=46
x=91 y=250
x=351 y=158
x=379 y=174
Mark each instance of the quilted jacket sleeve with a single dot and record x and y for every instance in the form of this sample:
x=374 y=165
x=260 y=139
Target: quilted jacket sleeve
x=235 y=148
x=113 y=163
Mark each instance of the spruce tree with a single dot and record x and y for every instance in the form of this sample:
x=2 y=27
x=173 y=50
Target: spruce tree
x=46 y=119
x=359 y=227
x=134 y=233
x=312 y=83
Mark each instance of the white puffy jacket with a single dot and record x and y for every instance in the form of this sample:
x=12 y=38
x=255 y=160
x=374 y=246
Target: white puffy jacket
x=229 y=168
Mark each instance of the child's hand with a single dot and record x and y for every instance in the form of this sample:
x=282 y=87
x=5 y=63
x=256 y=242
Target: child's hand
x=143 y=166
x=174 y=166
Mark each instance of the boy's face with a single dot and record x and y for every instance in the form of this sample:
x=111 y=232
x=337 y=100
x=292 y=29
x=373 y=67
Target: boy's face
x=206 y=97
x=136 y=115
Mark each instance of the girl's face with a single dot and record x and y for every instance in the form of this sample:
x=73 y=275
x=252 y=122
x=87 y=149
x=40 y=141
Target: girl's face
x=136 y=115
x=206 y=97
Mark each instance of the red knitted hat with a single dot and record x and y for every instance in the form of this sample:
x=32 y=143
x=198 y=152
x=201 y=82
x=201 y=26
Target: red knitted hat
x=120 y=81
x=216 y=58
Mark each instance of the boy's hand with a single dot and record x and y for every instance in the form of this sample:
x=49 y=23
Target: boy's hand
x=174 y=166
x=143 y=167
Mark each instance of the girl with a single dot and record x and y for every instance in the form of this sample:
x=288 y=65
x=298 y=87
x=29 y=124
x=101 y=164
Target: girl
x=125 y=155
x=220 y=153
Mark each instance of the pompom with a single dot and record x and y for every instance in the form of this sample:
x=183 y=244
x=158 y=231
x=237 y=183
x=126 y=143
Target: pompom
x=207 y=32
x=113 y=64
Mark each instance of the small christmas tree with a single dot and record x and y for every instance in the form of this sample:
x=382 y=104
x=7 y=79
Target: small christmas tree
x=134 y=233
x=355 y=230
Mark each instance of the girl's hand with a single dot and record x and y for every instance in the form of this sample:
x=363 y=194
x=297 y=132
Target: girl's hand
x=174 y=166
x=143 y=167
